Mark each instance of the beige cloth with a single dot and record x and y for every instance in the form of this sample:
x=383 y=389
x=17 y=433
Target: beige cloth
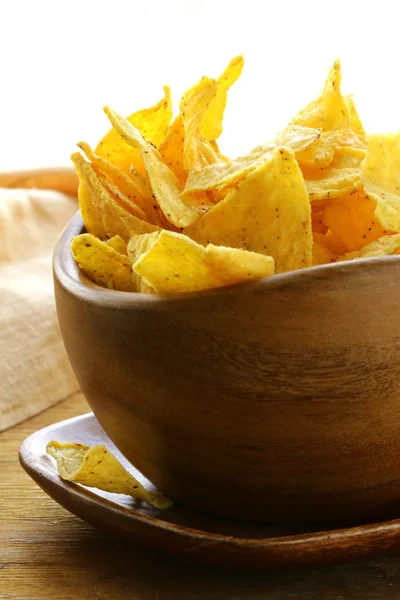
x=34 y=368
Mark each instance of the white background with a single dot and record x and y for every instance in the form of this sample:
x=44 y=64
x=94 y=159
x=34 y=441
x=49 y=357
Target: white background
x=61 y=61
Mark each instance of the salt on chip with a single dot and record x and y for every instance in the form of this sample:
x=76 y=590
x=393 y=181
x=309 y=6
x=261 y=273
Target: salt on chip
x=268 y=212
x=173 y=263
x=139 y=198
x=225 y=174
x=197 y=150
x=384 y=246
x=164 y=182
x=330 y=110
x=211 y=126
x=97 y=467
x=102 y=263
x=153 y=124
x=352 y=219
x=381 y=178
x=116 y=220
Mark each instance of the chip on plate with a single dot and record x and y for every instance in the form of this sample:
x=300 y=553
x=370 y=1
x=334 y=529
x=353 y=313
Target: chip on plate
x=97 y=467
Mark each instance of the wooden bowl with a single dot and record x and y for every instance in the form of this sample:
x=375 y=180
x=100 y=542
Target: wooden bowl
x=277 y=400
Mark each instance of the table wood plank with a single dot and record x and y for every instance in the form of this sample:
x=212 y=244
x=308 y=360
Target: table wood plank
x=48 y=554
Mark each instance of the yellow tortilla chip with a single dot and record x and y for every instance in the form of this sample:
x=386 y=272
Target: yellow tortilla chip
x=269 y=213
x=355 y=121
x=197 y=150
x=116 y=220
x=173 y=263
x=330 y=146
x=381 y=177
x=97 y=467
x=330 y=110
x=384 y=246
x=164 y=182
x=334 y=244
x=352 y=219
x=211 y=126
x=226 y=174
x=171 y=149
x=118 y=244
x=89 y=207
x=341 y=179
x=317 y=222
x=153 y=124
x=139 y=244
x=139 y=202
x=319 y=156
x=321 y=253
x=102 y=263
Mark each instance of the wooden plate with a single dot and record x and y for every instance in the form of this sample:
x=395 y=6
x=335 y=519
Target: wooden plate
x=200 y=537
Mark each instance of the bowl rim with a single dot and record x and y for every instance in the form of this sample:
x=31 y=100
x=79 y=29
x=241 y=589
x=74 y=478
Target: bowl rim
x=67 y=273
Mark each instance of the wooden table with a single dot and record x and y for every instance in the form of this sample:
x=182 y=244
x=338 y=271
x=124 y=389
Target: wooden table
x=48 y=554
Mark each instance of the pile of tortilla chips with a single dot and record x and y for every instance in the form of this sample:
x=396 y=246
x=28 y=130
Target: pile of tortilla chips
x=166 y=212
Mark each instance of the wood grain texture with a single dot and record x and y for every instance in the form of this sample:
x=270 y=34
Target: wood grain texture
x=276 y=400
x=48 y=554
x=194 y=536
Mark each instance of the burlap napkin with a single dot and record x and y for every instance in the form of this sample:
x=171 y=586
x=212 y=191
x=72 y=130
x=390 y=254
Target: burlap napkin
x=34 y=368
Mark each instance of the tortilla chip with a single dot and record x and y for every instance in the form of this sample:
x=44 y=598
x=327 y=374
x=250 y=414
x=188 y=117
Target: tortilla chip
x=118 y=244
x=139 y=244
x=330 y=146
x=116 y=220
x=334 y=244
x=269 y=213
x=225 y=174
x=173 y=263
x=153 y=124
x=139 y=198
x=101 y=263
x=317 y=222
x=89 y=207
x=330 y=110
x=352 y=219
x=341 y=179
x=171 y=149
x=163 y=181
x=321 y=253
x=384 y=246
x=211 y=126
x=355 y=121
x=381 y=177
x=197 y=150
x=96 y=467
